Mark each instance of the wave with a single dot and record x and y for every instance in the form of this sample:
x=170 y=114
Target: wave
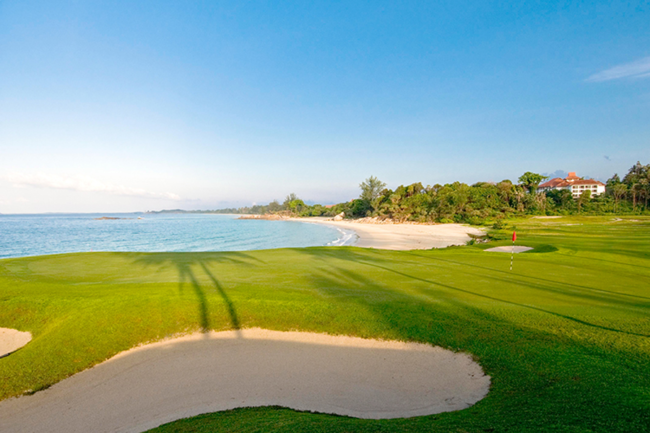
x=346 y=238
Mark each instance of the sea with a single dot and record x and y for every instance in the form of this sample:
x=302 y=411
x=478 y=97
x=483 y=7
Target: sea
x=34 y=234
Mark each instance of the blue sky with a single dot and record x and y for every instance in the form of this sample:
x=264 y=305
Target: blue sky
x=127 y=106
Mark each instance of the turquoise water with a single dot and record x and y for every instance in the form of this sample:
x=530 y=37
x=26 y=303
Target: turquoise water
x=30 y=235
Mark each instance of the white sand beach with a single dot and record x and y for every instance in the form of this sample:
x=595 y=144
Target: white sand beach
x=12 y=340
x=161 y=382
x=402 y=236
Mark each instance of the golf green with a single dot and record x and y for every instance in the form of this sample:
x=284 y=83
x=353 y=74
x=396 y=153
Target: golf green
x=565 y=336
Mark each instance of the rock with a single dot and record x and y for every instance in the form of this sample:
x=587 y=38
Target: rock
x=339 y=217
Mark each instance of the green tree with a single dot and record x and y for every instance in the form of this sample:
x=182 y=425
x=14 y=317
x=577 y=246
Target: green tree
x=371 y=189
x=618 y=191
x=584 y=198
x=297 y=205
x=274 y=206
x=635 y=173
x=291 y=197
x=531 y=181
x=563 y=198
x=644 y=188
x=612 y=182
x=359 y=208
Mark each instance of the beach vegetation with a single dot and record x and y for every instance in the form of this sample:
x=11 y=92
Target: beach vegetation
x=371 y=191
x=481 y=203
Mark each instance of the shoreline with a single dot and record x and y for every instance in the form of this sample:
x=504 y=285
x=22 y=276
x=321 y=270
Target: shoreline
x=399 y=236
x=363 y=233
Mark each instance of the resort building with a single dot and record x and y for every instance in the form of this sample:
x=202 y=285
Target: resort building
x=575 y=184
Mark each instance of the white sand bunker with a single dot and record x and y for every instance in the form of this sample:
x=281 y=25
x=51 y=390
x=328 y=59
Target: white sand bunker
x=12 y=340
x=508 y=249
x=162 y=382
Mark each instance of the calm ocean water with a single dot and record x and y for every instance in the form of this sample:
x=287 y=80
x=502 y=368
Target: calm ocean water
x=29 y=235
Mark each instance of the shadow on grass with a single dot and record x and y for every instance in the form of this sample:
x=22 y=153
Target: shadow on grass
x=526 y=277
x=583 y=322
x=184 y=263
x=370 y=259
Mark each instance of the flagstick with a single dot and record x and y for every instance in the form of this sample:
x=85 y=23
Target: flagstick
x=512 y=256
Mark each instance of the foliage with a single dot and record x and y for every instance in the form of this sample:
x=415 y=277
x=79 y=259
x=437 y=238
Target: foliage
x=359 y=208
x=370 y=191
x=584 y=197
x=480 y=203
x=531 y=180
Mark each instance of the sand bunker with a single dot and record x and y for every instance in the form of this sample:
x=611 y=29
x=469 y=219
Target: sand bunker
x=162 y=382
x=508 y=249
x=12 y=340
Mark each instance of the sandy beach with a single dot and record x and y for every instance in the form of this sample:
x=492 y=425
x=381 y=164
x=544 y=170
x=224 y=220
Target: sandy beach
x=161 y=382
x=402 y=236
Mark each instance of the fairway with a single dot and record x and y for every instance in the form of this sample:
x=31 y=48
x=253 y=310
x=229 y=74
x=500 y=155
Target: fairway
x=565 y=336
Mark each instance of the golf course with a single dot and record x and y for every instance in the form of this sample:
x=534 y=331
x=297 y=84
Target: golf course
x=564 y=336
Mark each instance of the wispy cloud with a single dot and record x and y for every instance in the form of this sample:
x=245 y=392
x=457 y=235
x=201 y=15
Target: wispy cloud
x=636 y=69
x=84 y=183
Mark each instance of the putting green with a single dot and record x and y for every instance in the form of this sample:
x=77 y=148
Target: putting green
x=564 y=336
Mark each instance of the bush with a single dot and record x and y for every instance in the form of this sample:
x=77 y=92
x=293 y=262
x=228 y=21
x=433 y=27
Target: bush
x=360 y=208
x=499 y=225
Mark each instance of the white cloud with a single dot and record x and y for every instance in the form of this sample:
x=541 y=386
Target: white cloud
x=84 y=183
x=636 y=69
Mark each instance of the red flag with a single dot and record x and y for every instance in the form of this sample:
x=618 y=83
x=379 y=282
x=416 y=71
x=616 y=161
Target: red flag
x=514 y=236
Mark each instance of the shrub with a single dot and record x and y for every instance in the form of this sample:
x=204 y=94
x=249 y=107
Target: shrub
x=499 y=225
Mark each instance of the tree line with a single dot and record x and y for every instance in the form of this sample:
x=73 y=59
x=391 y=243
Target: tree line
x=487 y=202
x=480 y=203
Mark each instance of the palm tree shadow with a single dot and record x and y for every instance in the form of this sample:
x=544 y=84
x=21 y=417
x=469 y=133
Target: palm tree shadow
x=229 y=305
x=184 y=263
x=368 y=259
x=438 y=283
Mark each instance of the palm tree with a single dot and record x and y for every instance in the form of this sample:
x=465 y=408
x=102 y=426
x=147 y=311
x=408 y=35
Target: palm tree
x=619 y=192
x=644 y=189
x=637 y=191
x=583 y=198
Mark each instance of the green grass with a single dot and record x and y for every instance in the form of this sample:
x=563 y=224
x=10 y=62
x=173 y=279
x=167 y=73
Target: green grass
x=565 y=336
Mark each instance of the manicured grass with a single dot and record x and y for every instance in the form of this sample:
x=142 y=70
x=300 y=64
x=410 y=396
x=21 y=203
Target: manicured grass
x=565 y=336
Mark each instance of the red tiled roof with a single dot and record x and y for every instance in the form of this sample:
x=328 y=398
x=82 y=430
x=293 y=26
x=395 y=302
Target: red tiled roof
x=555 y=183
x=572 y=179
x=587 y=182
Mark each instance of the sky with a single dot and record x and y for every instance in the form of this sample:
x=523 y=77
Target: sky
x=147 y=105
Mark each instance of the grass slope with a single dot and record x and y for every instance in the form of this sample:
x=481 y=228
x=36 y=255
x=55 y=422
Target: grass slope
x=565 y=336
